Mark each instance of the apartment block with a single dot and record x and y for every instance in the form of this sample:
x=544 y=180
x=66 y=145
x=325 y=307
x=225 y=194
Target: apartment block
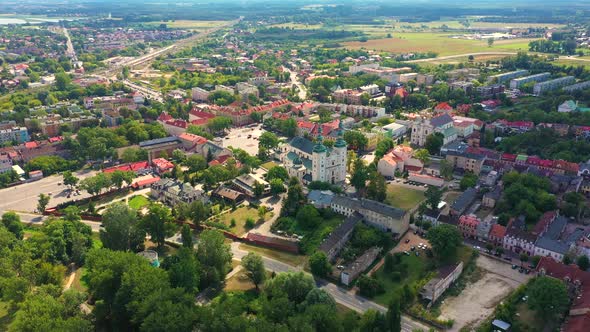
x=555 y=84
x=518 y=82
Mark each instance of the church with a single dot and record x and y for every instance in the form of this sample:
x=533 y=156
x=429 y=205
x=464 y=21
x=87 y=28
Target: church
x=309 y=161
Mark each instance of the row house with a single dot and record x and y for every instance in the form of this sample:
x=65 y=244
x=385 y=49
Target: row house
x=517 y=239
x=468 y=225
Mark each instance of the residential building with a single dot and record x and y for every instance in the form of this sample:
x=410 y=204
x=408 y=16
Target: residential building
x=499 y=78
x=577 y=86
x=321 y=199
x=333 y=244
x=518 y=82
x=316 y=162
x=490 y=91
x=228 y=195
x=199 y=94
x=466 y=160
x=483 y=229
x=463 y=202
x=555 y=84
x=351 y=272
x=14 y=134
x=395 y=130
x=382 y=216
x=422 y=128
x=245 y=183
x=157 y=146
x=446 y=276
x=398 y=160
x=348 y=96
x=550 y=243
x=5 y=163
x=468 y=226
x=467 y=87
x=172 y=192
x=465 y=74
x=497 y=234
x=162 y=165
x=426 y=179
x=518 y=239
x=491 y=198
x=245 y=89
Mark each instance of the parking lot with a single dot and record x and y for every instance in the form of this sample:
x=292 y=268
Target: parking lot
x=479 y=299
x=408 y=241
x=245 y=138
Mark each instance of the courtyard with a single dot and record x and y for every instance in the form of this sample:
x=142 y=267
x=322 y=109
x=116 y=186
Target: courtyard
x=245 y=138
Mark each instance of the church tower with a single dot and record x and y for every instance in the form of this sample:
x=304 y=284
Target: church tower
x=341 y=154
x=318 y=159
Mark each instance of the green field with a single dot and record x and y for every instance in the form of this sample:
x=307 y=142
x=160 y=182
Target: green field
x=440 y=43
x=139 y=202
x=402 y=197
x=240 y=215
x=285 y=257
x=416 y=271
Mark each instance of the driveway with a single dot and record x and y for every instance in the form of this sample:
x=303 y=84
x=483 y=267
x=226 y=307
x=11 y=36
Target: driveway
x=478 y=300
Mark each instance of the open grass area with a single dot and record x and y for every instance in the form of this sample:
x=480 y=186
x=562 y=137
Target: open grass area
x=530 y=318
x=268 y=165
x=138 y=202
x=417 y=269
x=572 y=62
x=79 y=283
x=240 y=215
x=285 y=257
x=441 y=43
x=402 y=197
x=189 y=24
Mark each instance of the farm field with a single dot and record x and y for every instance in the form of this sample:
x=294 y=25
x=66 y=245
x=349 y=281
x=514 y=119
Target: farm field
x=189 y=24
x=441 y=43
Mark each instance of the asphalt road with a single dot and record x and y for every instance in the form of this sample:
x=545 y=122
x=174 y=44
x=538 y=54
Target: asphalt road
x=23 y=198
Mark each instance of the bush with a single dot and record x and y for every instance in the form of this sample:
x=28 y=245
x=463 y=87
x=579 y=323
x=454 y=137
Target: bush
x=370 y=286
x=250 y=223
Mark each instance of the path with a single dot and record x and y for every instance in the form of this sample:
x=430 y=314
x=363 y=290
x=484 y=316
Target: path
x=460 y=56
x=71 y=279
x=295 y=80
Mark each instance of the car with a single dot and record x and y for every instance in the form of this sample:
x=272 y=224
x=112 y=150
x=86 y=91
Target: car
x=407 y=253
x=407 y=241
x=508 y=259
x=514 y=266
x=59 y=183
x=226 y=137
x=413 y=248
x=50 y=193
x=417 y=253
x=527 y=271
x=340 y=267
x=420 y=244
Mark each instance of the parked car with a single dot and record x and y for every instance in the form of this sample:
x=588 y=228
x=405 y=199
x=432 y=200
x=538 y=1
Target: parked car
x=407 y=241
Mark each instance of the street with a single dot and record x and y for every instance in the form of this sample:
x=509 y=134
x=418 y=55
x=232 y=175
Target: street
x=295 y=80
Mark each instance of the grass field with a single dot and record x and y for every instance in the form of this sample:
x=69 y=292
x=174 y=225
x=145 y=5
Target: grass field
x=571 y=62
x=403 y=197
x=240 y=215
x=79 y=284
x=138 y=202
x=463 y=59
x=189 y=24
x=441 y=43
x=285 y=257
x=268 y=165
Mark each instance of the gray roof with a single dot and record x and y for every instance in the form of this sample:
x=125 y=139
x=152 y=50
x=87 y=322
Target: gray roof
x=340 y=232
x=441 y=120
x=169 y=139
x=494 y=194
x=552 y=240
x=358 y=204
x=323 y=197
x=302 y=144
x=464 y=200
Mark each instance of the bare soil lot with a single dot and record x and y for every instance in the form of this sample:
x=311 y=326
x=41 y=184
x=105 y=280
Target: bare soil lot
x=478 y=300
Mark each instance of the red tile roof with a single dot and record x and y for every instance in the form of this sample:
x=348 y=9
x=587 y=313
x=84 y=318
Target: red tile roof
x=193 y=138
x=31 y=145
x=444 y=106
x=162 y=164
x=202 y=115
x=544 y=222
x=145 y=182
x=555 y=269
x=164 y=116
x=468 y=220
x=498 y=231
x=128 y=167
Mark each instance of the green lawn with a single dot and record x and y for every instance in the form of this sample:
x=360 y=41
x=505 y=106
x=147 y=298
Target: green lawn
x=240 y=215
x=79 y=282
x=402 y=197
x=416 y=271
x=138 y=202
x=285 y=257
x=268 y=165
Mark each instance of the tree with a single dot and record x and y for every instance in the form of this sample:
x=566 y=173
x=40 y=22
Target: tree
x=469 y=180
x=62 y=80
x=262 y=212
x=445 y=239
x=357 y=140
x=319 y=265
x=422 y=155
x=219 y=123
x=433 y=197
x=121 y=229
x=377 y=188
x=70 y=179
x=359 y=175
x=433 y=143
x=13 y=224
x=583 y=262
x=394 y=317
x=258 y=189
x=277 y=172
x=490 y=41
x=295 y=198
x=183 y=270
x=187 y=236
x=72 y=213
x=277 y=186
x=524 y=257
x=308 y=217
x=383 y=147
x=293 y=285
x=42 y=202
x=158 y=224
x=369 y=286
x=446 y=170
x=254 y=267
x=196 y=163
x=215 y=257
x=548 y=297
x=118 y=178
x=268 y=140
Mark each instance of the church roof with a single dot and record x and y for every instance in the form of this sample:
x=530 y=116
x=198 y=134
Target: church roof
x=302 y=144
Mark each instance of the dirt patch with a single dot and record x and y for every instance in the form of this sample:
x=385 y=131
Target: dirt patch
x=414 y=241
x=478 y=299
